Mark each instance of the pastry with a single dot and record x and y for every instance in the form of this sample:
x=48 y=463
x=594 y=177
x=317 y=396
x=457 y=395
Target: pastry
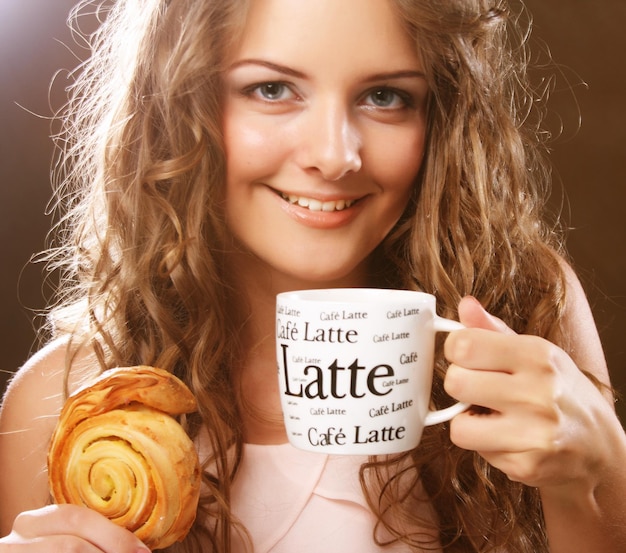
x=117 y=449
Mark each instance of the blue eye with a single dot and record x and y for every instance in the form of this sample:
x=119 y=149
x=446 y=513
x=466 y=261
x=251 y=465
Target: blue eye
x=388 y=98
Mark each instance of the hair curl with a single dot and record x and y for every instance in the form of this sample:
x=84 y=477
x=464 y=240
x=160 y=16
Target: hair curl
x=141 y=238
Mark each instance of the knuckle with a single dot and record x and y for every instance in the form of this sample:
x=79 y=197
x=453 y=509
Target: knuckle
x=24 y=521
x=551 y=415
x=458 y=436
x=453 y=383
x=523 y=468
x=75 y=516
x=533 y=467
x=547 y=355
x=524 y=473
x=543 y=384
x=460 y=346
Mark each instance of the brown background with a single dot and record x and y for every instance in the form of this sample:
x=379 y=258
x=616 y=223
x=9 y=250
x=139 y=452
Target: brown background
x=586 y=38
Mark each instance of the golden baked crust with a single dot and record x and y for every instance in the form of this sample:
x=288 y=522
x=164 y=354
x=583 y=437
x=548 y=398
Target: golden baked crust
x=118 y=450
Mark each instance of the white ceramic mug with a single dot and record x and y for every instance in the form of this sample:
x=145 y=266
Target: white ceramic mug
x=355 y=368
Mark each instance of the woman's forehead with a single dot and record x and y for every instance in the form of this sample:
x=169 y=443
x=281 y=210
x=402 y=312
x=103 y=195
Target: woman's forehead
x=305 y=31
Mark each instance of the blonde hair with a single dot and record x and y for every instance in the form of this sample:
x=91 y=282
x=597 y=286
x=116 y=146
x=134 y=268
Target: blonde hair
x=141 y=237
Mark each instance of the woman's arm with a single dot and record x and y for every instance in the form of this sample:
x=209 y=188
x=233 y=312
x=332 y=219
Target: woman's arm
x=27 y=419
x=550 y=427
x=589 y=514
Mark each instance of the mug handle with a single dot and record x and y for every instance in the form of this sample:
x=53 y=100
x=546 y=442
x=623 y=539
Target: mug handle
x=442 y=415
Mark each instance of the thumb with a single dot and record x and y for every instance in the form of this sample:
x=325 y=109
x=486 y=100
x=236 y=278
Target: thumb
x=473 y=315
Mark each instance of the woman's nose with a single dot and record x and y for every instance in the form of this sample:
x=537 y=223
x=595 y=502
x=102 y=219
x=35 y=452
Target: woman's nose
x=331 y=143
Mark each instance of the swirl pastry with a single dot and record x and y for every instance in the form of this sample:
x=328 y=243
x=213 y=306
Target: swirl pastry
x=118 y=450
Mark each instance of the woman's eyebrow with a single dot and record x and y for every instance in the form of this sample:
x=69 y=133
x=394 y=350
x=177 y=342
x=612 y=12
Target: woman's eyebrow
x=286 y=70
x=270 y=65
x=390 y=75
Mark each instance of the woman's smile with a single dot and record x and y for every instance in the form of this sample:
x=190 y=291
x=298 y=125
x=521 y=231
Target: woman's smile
x=318 y=213
x=313 y=204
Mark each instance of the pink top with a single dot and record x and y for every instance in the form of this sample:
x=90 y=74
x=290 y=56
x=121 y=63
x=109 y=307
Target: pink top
x=295 y=501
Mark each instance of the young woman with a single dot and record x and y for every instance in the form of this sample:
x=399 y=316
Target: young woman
x=218 y=152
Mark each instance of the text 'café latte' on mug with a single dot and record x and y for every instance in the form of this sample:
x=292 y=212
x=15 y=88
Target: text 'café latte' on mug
x=355 y=368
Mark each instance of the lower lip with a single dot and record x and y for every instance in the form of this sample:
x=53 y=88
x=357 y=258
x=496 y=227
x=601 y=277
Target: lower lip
x=321 y=219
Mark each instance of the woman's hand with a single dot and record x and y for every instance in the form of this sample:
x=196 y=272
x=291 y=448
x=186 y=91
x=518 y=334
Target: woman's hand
x=545 y=422
x=68 y=528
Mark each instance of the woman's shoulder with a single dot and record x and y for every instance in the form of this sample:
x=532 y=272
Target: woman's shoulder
x=42 y=376
x=38 y=382
x=36 y=391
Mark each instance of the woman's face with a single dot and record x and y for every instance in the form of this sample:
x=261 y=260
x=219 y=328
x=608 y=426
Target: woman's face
x=324 y=128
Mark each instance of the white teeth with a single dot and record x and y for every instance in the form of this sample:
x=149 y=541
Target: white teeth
x=317 y=205
x=313 y=205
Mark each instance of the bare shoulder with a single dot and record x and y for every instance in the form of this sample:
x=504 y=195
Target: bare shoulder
x=35 y=388
x=582 y=339
x=28 y=415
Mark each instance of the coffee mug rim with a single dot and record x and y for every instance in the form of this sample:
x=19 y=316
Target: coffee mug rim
x=356 y=295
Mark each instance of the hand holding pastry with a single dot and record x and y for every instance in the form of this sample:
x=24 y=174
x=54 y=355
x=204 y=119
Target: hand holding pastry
x=68 y=528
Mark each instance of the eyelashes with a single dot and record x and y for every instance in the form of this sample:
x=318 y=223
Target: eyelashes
x=270 y=91
x=390 y=98
x=379 y=97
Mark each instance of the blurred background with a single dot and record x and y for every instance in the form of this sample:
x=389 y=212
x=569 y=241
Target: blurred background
x=586 y=40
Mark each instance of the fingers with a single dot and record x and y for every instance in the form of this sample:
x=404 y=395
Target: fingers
x=527 y=449
x=515 y=432
x=473 y=315
x=480 y=349
x=16 y=544
x=479 y=388
x=86 y=531
x=504 y=372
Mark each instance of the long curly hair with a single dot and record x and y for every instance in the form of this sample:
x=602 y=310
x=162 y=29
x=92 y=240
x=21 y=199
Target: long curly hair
x=141 y=239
